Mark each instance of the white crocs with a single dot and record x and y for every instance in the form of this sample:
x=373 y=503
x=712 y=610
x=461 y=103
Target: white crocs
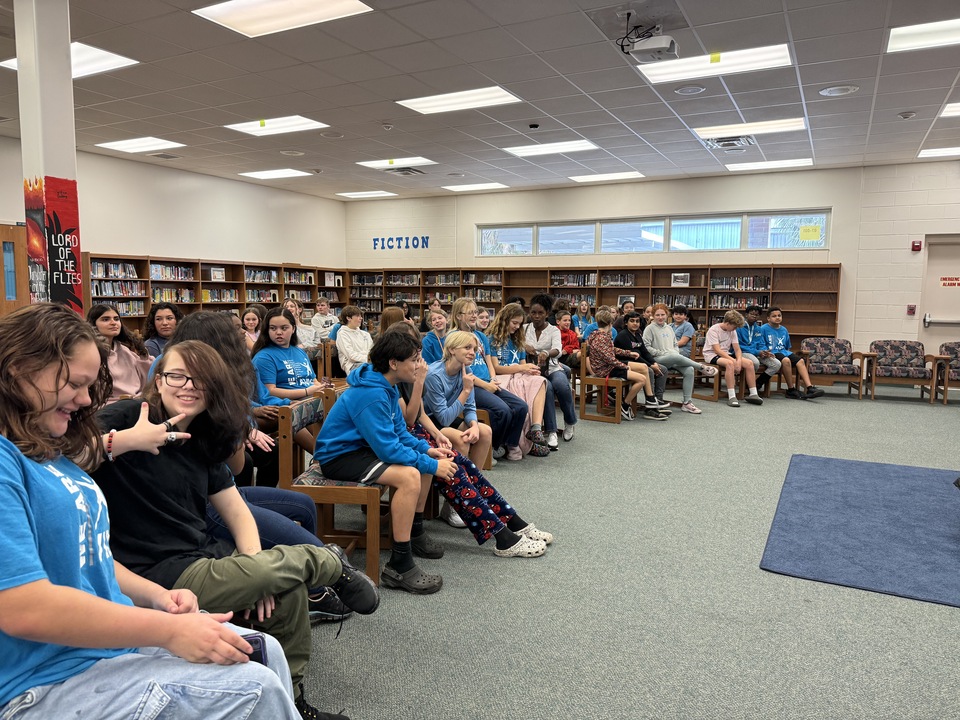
x=534 y=533
x=523 y=548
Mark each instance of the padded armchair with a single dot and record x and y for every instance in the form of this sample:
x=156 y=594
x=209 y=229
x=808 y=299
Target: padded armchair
x=832 y=360
x=903 y=362
x=947 y=368
x=326 y=493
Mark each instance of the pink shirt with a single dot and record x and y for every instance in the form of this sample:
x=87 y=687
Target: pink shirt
x=716 y=335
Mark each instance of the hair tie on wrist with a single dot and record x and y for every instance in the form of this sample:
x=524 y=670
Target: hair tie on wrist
x=110 y=445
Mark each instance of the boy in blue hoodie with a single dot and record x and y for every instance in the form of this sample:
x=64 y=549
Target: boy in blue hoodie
x=365 y=440
x=754 y=347
x=777 y=340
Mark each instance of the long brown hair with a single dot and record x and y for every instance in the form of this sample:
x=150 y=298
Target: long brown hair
x=500 y=328
x=125 y=338
x=31 y=340
x=218 y=430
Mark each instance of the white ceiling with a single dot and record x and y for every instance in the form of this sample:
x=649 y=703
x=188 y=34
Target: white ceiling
x=195 y=76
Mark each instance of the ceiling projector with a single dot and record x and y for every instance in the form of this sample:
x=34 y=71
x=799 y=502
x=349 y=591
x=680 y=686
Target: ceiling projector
x=654 y=49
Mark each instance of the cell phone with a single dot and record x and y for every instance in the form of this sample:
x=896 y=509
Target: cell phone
x=259 y=645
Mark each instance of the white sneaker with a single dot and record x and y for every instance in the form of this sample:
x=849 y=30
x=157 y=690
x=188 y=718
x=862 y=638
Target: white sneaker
x=449 y=515
x=690 y=408
x=552 y=441
x=568 y=432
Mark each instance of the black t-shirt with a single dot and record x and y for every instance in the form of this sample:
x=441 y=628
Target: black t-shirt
x=158 y=503
x=626 y=340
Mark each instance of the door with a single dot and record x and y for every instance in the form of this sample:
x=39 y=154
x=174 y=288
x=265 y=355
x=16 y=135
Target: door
x=14 y=280
x=941 y=292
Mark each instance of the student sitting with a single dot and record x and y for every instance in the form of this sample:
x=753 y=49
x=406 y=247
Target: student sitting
x=353 y=344
x=250 y=323
x=661 y=340
x=542 y=340
x=523 y=379
x=433 y=340
x=569 y=342
x=433 y=304
x=283 y=368
x=778 y=342
x=365 y=440
x=159 y=326
x=582 y=318
x=605 y=361
x=589 y=329
x=631 y=339
x=129 y=361
x=753 y=346
x=683 y=330
x=322 y=320
x=627 y=306
x=720 y=348
x=305 y=333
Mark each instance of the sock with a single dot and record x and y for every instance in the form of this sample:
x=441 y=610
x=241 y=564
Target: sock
x=731 y=393
x=753 y=391
x=517 y=523
x=417 y=529
x=535 y=426
x=506 y=538
x=401 y=556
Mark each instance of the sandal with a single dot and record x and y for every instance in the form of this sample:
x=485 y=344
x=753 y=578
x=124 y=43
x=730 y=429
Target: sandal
x=708 y=370
x=414 y=580
x=524 y=548
x=534 y=533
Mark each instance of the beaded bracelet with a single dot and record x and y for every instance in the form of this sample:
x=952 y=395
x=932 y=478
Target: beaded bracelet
x=110 y=445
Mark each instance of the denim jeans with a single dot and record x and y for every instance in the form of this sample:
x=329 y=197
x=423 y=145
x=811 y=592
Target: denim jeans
x=507 y=415
x=153 y=683
x=277 y=513
x=559 y=387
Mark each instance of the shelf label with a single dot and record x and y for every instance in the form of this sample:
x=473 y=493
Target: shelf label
x=421 y=242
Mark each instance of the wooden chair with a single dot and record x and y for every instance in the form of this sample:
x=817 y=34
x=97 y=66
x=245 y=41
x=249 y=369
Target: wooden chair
x=326 y=493
x=832 y=360
x=947 y=368
x=903 y=362
x=712 y=384
x=601 y=385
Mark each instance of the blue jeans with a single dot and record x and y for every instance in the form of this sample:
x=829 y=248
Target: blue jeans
x=277 y=513
x=559 y=387
x=153 y=683
x=507 y=415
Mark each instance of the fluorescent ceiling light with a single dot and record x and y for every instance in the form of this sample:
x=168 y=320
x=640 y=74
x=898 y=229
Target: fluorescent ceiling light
x=276 y=126
x=138 y=145
x=254 y=18
x=275 y=174
x=951 y=110
x=725 y=63
x=396 y=162
x=551 y=148
x=368 y=194
x=927 y=35
x=86 y=60
x=754 y=128
x=482 y=97
x=476 y=186
x=939 y=152
x=770 y=164
x=607 y=176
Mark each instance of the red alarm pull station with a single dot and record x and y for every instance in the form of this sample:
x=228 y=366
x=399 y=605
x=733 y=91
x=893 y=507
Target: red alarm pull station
x=916 y=245
x=911 y=309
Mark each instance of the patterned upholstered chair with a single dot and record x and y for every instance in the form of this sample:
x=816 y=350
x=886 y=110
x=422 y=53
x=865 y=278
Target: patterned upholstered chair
x=832 y=360
x=948 y=368
x=297 y=475
x=903 y=362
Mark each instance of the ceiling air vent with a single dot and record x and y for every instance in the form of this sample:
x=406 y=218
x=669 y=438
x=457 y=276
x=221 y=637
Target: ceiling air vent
x=408 y=171
x=729 y=143
x=164 y=156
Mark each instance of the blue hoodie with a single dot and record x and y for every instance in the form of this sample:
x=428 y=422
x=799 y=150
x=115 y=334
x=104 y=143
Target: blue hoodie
x=368 y=415
x=751 y=340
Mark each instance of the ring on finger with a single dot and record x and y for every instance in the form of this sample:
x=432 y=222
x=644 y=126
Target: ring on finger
x=171 y=438
x=168 y=425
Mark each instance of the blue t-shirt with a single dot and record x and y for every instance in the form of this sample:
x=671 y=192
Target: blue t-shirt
x=510 y=354
x=55 y=527
x=588 y=330
x=581 y=323
x=684 y=329
x=286 y=368
x=479 y=367
x=432 y=348
x=332 y=335
x=776 y=339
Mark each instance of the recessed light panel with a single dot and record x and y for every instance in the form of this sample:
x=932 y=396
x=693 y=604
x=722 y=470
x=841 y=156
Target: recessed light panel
x=939 y=152
x=770 y=164
x=482 y=97
x=277 y=126
x=476 y=186
x=725 y=63
x=754 y=128
x=87 y=60
x=551 y=148
x=927 y=35
x=138 y=145
x=606 y=176
x=396 y=162
x=951 y=110
x=367 y=194
x=275 y=174
x=254 y=18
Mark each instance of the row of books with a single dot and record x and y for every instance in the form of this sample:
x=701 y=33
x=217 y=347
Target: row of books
x=171 y=272
x=261 y=276
x=117 y=288
x=443 y=279
x=404 y=279
x=395 y=297
x=264 y=296
x=297 y=277
x=130 y=307
x=368 y=279
x=738 y=302
x=741 y=282
x=618 y=280
x=218 y=295
x=691 y=301
x=304 y=296
x=370 y=305
x=574 y=279
x=482 y=279
x=331 y=295
x=482 y=295
x=575 y=298
x=115 y=270
x=174 y=295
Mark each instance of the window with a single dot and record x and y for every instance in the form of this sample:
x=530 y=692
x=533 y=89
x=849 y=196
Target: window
x=719 y=233
x=578 y=239
x=9 y=271
x=506 y=241
x=633 y=236
x=778 y=232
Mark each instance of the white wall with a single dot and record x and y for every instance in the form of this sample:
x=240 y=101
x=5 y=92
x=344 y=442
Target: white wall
x=138 y=209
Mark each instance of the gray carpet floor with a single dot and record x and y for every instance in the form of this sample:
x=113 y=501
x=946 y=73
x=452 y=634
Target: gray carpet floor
x=650 y=603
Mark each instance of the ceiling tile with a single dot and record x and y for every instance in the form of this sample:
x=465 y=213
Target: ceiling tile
x=542 y=89
x=489 y=44
x=600 y=80
x=556 y=31
x=743 y=33
x=440 y=18
x=515 y=69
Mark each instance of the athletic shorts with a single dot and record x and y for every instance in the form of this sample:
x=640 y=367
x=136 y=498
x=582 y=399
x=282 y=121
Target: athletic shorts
x=360 y=466
x=792 y=357
x=618 y=373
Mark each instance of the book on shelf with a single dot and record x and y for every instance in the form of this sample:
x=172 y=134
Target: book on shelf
x=171 y=272
x=298 y=277
x=331 y=295
x=692 y=302
x=113 y=270
x=117 y=288
x=483 y=295
x=482 y=279
x=364 y=279
x=403 y=279
x=741 y=282
x=576 y=298
x=618 y=279
x=261 y=276
x=574 y=279
x=443 y=279
x=265 y=296
x=214 y=295
x=130 y=307
x=218 y=274
x=737 y=302
x=174 y=295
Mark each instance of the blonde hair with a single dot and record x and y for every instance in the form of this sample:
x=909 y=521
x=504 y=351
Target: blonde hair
x=457 y=339
x=734 y=318
x=459 y=306
x=604 y=317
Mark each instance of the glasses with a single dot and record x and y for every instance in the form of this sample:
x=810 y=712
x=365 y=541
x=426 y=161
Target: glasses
x=470 y=312
x=178 y=380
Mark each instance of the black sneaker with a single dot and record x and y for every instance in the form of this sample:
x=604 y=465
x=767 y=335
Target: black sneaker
x=355 y=590
x=794 y=394
x=653 y=414
x=326 y=607
x=813 y=392
x=626 y=412
x=309 y=712
x=424 y=546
